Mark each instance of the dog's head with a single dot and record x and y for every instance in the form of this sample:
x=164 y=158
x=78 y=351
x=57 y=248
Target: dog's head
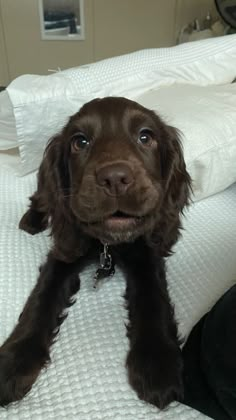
x=119 y=169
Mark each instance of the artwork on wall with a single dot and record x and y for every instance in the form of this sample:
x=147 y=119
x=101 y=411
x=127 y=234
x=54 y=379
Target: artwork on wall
x=62 y=19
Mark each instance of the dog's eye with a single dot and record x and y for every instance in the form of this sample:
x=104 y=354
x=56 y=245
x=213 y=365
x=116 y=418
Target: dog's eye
x=145 y=136
x=79 y=141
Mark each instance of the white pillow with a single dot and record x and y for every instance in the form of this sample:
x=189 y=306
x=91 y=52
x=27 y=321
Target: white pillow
x=206 y=117
x=42 y=104
x=8 y=136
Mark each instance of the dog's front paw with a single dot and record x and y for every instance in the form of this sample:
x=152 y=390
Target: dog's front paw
x=20 y=364
x=155 y=373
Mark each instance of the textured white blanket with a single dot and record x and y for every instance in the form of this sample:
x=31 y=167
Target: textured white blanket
x=87 y=378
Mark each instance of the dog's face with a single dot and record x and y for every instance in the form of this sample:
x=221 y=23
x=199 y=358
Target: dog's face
x=115 y=169
x=121 y=158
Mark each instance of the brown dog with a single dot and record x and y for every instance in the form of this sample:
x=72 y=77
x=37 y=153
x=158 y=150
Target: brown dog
x=114 y=177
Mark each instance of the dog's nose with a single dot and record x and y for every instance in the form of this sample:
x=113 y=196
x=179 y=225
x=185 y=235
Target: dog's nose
x=115 y=178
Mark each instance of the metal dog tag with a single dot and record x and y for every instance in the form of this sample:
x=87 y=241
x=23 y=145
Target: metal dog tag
x=106 y=269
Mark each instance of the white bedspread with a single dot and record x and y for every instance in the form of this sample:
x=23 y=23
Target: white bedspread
x=87 y=378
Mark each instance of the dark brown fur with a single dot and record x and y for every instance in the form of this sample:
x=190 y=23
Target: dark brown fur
x=131 y=162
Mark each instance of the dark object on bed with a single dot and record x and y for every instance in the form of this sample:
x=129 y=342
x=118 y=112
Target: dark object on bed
x=227 y=10
x=210 y=361
x=116 y=176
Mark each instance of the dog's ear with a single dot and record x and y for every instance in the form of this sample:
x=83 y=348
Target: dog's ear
x=54 y=184
x=176 y=178
x=54 y=167
x=54 y=176
x=176 y=184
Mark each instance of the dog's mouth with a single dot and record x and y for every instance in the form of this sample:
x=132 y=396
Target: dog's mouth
x=119 y=226
x=121 y=220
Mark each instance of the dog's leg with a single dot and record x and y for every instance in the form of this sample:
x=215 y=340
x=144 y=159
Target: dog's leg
x=26 y=351
x=154 y=362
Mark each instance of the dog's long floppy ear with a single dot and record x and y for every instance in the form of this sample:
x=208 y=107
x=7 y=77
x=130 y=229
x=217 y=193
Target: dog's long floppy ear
x=53 y=179
x=174 y=172
x=54 y=188
x=54 y=172
x=52 y=185
x=177 y=188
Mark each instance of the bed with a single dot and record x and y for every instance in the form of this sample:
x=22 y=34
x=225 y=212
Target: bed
x=87 y=377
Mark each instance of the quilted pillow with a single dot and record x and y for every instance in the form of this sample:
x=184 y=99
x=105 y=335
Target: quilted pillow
x=8 y=136
x=206 y=117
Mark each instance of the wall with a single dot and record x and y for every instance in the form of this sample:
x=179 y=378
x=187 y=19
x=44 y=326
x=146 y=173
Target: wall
x=27 y=53
x=130 y=25
x=112 y=27
x=4 y=71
